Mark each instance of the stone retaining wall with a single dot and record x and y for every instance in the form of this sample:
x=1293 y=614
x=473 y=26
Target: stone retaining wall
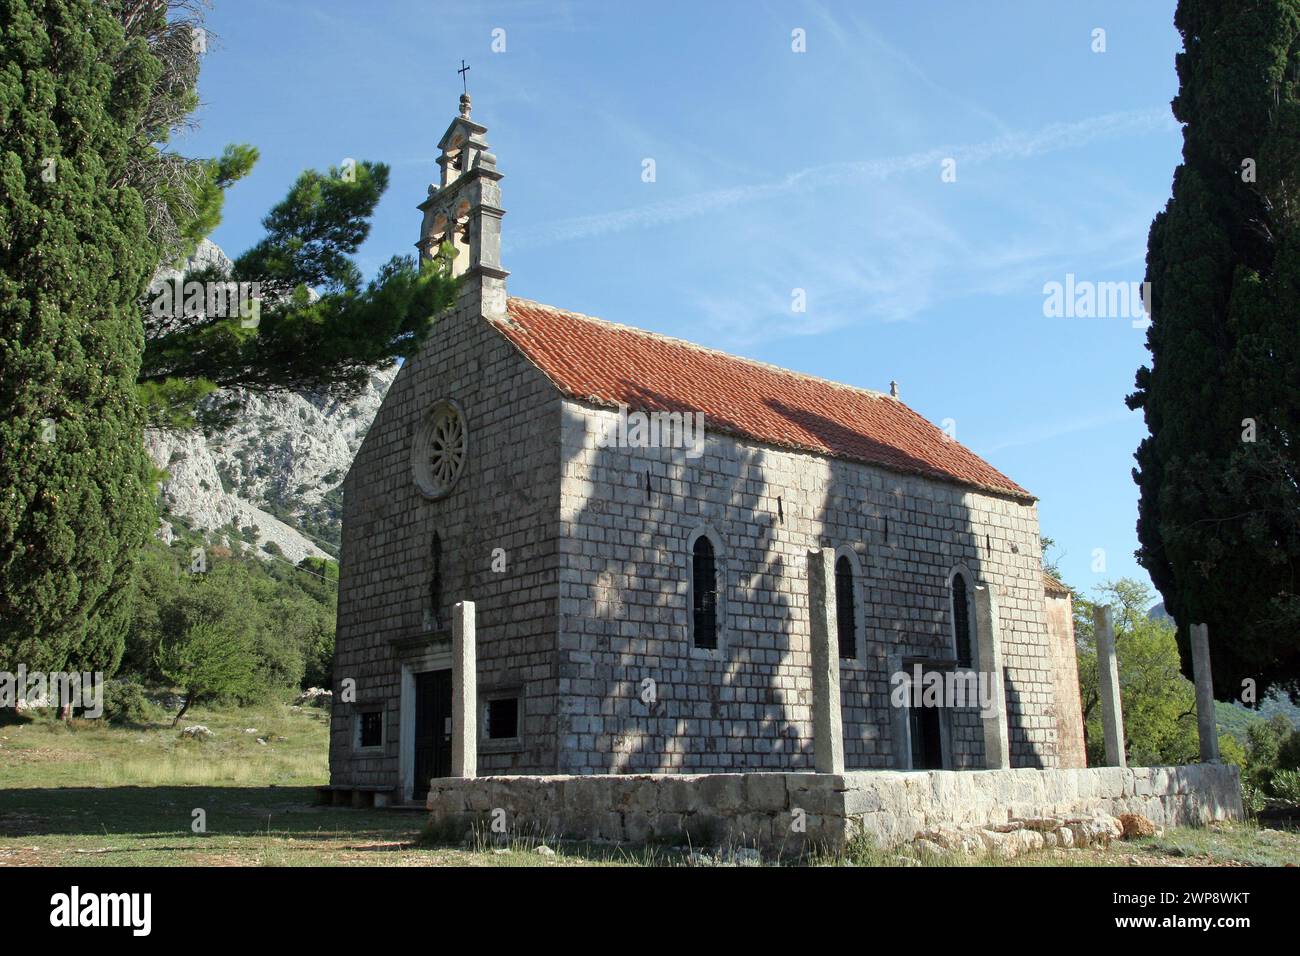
x=787 y=812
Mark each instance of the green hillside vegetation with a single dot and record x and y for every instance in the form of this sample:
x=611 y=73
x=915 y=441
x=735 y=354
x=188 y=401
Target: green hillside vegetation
x=1236 y=718
x=1159 y=703
x=273 y=622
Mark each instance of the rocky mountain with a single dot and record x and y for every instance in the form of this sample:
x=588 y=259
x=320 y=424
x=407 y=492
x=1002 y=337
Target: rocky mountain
x=272 y=480
x=1157 y=612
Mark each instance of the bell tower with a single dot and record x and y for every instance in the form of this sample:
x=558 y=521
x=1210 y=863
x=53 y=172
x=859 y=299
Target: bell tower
x=463 y=211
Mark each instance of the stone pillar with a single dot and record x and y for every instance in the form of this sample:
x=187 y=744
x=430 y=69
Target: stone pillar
x=1206 y=726
x=828 y=732
x=1112 y=714
x=988 y=651
x=464 y=692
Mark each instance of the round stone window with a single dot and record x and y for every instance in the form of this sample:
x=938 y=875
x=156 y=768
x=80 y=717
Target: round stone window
x=438 y=456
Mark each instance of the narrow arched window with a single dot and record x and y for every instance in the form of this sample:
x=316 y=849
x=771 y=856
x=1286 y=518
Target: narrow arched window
x=962 y=642
x=704 y=592
x=435 y=580
x=846 y=608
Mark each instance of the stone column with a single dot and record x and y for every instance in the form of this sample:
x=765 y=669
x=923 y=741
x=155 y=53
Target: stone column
x=828 y=732
x=464 y=692
x=1206 y=726
x=1112 y=714
x=988 y=651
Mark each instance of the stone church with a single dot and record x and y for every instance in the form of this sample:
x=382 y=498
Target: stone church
x=642 y=605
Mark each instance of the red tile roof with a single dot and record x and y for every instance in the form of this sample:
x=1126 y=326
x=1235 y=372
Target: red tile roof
x=1054 y=585
x=602 y=363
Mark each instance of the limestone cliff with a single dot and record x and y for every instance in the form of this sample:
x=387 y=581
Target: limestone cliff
x=275 y=475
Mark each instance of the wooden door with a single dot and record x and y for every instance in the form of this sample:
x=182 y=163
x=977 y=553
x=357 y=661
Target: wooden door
x=432 y=729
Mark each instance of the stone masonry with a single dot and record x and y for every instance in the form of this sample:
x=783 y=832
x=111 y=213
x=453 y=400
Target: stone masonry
x=623 y=608
x=508 y=498
x=790 y=812
x=576 y=558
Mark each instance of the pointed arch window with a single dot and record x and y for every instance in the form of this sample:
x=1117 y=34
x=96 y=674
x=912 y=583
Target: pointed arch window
x=963 y=639
x=846 y=608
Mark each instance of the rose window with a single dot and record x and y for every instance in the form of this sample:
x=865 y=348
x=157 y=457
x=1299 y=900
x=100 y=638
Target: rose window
x=440 y=450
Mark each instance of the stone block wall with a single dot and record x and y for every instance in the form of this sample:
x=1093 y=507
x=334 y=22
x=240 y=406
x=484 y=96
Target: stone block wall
x=894 y=808
x=590 y=620
x=626 y=517
x=791 y=812
x=507 y=497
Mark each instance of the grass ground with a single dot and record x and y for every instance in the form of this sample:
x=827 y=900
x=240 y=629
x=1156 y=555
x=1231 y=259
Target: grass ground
x=90 y=794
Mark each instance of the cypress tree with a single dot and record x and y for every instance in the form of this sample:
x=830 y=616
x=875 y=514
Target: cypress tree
x=1219 y=474
x=75 y=256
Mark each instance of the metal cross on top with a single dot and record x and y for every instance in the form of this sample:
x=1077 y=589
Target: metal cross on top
x=463 y=81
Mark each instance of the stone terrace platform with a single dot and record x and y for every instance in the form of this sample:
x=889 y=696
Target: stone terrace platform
x=788 y=812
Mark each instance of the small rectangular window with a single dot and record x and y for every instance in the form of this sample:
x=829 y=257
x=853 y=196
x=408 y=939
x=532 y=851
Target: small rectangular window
x=503 y=718
x=370 y=729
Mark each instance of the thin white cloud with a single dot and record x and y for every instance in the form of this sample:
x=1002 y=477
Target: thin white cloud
x=851 y=37
x=1054 y=430
x=1020 y=145
x=906 y=261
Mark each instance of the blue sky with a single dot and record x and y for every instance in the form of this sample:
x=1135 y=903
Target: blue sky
x=776 y=170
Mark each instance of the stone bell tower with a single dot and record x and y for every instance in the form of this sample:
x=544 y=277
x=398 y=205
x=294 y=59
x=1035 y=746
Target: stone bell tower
x=464 y=211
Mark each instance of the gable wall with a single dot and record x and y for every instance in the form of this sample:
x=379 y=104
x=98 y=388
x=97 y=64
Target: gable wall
x=506 y=497
x=624 y=605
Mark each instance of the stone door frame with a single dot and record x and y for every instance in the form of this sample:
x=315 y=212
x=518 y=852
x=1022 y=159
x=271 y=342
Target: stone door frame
x=429 y=660
x=900 y=717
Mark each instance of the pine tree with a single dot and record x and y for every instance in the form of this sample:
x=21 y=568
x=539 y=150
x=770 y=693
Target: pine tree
x=1219 y=515
x=213 y=657
x=318 y=328
x=74 y=259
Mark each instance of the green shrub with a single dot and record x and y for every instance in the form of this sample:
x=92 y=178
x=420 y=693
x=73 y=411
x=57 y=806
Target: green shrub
x=1288 y=752
x=1286 y=786
x=125 y=703
x=1265 y=742
x=861 y=850
x=1230 y=751
x=1252 y=800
